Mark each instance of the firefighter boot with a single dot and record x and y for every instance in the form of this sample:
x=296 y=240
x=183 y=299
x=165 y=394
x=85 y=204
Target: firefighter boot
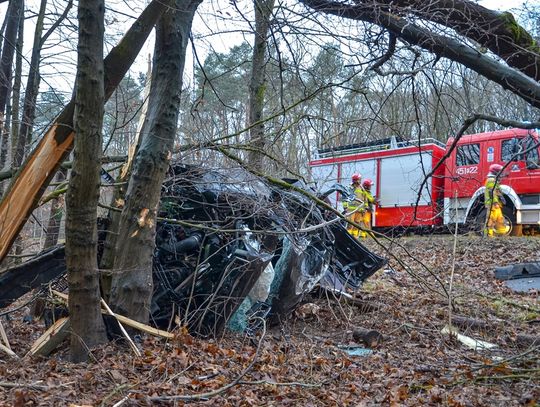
x=503 y=229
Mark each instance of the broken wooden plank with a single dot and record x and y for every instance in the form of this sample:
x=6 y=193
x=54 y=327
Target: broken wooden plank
x=8 y=351
x=52 y=337
x=4 y=335
x=129 y=322
x=144 y=328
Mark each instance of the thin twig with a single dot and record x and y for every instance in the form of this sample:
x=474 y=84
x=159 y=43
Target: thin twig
x=298 y=384
x=124 y=332
x=26 y=385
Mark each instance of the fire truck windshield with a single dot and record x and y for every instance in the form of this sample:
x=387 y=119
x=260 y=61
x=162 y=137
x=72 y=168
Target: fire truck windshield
x=521 y=149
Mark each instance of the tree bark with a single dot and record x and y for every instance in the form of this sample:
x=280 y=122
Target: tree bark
x=32 y=84
x=511 y=79
x=257 y=86
x=41 y=165
x=109 y=246
x=87 y=327
x=131 y=287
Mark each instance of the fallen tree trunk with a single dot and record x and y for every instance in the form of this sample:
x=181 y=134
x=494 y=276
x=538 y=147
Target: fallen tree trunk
x=473 y=323
x=527 y=340
x=40 y=167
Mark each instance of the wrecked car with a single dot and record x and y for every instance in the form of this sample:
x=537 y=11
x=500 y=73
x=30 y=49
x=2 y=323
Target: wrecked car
x=232 y=249
x=245 y=245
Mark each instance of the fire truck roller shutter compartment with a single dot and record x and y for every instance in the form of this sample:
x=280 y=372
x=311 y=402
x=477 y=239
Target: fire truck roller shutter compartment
x=401 y=177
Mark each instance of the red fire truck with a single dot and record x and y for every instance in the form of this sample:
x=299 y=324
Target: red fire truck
x=455 y=191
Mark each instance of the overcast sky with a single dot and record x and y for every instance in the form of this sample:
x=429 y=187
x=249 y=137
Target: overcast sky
x=211 y=17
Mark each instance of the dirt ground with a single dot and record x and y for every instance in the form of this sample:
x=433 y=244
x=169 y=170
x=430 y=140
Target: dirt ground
x=303 y=363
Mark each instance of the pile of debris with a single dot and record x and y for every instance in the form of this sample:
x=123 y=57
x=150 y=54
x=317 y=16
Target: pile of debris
x=232 y=249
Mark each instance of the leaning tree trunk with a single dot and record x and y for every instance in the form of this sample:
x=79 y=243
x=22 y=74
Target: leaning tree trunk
x=87 y=328
x=257 y=86
x=109 y=246
x=131 y=288
x=28 y=186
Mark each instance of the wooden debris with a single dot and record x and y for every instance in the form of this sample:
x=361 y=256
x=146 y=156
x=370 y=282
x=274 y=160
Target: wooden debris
x=124 y=332
x=474 y=344
x=33 y=386
x=129 y=322
x=52 y=337
x=8 y=351
x=472 y=323
x=527 y=340
x=144 y=328
x=4 y=336
x=368 y=337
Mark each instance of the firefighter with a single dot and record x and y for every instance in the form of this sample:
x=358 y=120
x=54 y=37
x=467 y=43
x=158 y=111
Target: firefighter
x=369 y=201
x=494 y=200
x=355 y=204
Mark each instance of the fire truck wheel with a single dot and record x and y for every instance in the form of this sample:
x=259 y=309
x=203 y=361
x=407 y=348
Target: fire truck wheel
x=478 y=222
x=509 y=219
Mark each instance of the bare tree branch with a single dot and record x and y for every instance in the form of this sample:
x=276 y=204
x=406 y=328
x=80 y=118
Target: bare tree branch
x=499 y=32
x=442 y=46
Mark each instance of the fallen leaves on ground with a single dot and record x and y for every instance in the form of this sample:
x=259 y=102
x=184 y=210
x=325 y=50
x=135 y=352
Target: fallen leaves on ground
x=300 y=363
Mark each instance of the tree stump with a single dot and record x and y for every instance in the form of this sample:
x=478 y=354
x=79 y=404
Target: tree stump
x=368 y=337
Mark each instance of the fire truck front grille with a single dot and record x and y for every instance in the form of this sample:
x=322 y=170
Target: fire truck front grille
x=530 y=199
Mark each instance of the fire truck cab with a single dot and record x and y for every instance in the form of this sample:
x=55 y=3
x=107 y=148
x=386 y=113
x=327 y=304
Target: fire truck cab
x=467 y=168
